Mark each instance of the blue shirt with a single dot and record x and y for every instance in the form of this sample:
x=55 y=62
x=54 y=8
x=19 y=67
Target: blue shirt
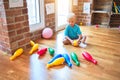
x=73 y=32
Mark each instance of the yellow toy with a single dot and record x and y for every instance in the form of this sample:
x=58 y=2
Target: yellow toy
x=80 y=23
x=34 y=48
x=32 y=43
x=56 y=62
x=16 y=54
x=75 y=43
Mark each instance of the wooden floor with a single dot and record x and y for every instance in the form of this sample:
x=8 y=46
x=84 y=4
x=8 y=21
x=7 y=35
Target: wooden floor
x=103 y=45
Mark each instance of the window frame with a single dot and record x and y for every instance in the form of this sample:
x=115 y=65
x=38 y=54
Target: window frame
x=41 y=25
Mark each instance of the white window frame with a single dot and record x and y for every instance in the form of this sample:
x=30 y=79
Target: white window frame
x=41 y=25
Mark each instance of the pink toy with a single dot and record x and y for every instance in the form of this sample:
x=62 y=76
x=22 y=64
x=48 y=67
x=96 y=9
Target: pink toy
x=88 y=57
x=96 y=26
x=42 y=51
x=47 y=33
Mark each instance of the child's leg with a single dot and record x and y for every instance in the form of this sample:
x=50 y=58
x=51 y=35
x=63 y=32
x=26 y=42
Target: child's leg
x=82 y=43
x=79 y=39
x=66 y=41
x=83 y=39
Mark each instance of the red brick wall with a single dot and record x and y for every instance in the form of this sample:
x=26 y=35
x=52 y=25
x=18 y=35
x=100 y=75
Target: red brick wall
x=35 y=35
x=81 y=17
x=15 y=27
x=4 y=38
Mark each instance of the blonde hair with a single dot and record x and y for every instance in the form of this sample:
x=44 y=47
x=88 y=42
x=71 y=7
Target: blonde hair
x=70 y=15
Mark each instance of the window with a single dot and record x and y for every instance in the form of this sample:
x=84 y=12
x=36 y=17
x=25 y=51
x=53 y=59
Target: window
x=61 y=13
x=36 y=14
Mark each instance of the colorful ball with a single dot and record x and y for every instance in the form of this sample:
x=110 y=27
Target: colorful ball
x=47 y=33
x=81 y=23
x=75 y=43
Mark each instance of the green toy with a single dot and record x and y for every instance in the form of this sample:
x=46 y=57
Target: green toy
x=51 y=51
x=75 y=58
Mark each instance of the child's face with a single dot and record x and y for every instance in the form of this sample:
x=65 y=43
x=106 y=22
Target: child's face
x=72 y=21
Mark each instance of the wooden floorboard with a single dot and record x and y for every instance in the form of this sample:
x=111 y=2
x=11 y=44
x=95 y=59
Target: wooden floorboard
x=102 y=43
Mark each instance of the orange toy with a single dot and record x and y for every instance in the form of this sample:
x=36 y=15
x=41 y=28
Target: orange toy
x=16 y=54
x=34 y=48
x=81 y=23
x=75 y=43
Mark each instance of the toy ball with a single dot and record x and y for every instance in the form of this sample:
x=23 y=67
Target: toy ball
x=47 y=33
x=75 y=43
x=81 y=23
x=97 y=26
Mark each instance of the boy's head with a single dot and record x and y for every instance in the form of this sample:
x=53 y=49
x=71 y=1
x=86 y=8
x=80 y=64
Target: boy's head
x=71 y=19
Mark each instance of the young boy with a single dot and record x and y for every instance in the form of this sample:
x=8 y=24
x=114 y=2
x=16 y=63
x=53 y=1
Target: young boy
x=73 y=32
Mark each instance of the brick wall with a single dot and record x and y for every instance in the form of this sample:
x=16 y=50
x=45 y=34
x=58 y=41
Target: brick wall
x=15 y=27
x=4 y=38
x=50 y=19
x=78 y=10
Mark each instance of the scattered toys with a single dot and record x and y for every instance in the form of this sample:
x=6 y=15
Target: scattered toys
x=56 y=62
x=42 y=51
x=55 y=57
x=58 y=58
x=65 y=56
x=16 y=54
x=67 y=60
x=88 y=57
x=47 y=33
x=75 y=58
x=51 y=51
x=34 y=48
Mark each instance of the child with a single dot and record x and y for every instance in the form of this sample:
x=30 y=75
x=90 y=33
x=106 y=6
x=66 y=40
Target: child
x=73 y=32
